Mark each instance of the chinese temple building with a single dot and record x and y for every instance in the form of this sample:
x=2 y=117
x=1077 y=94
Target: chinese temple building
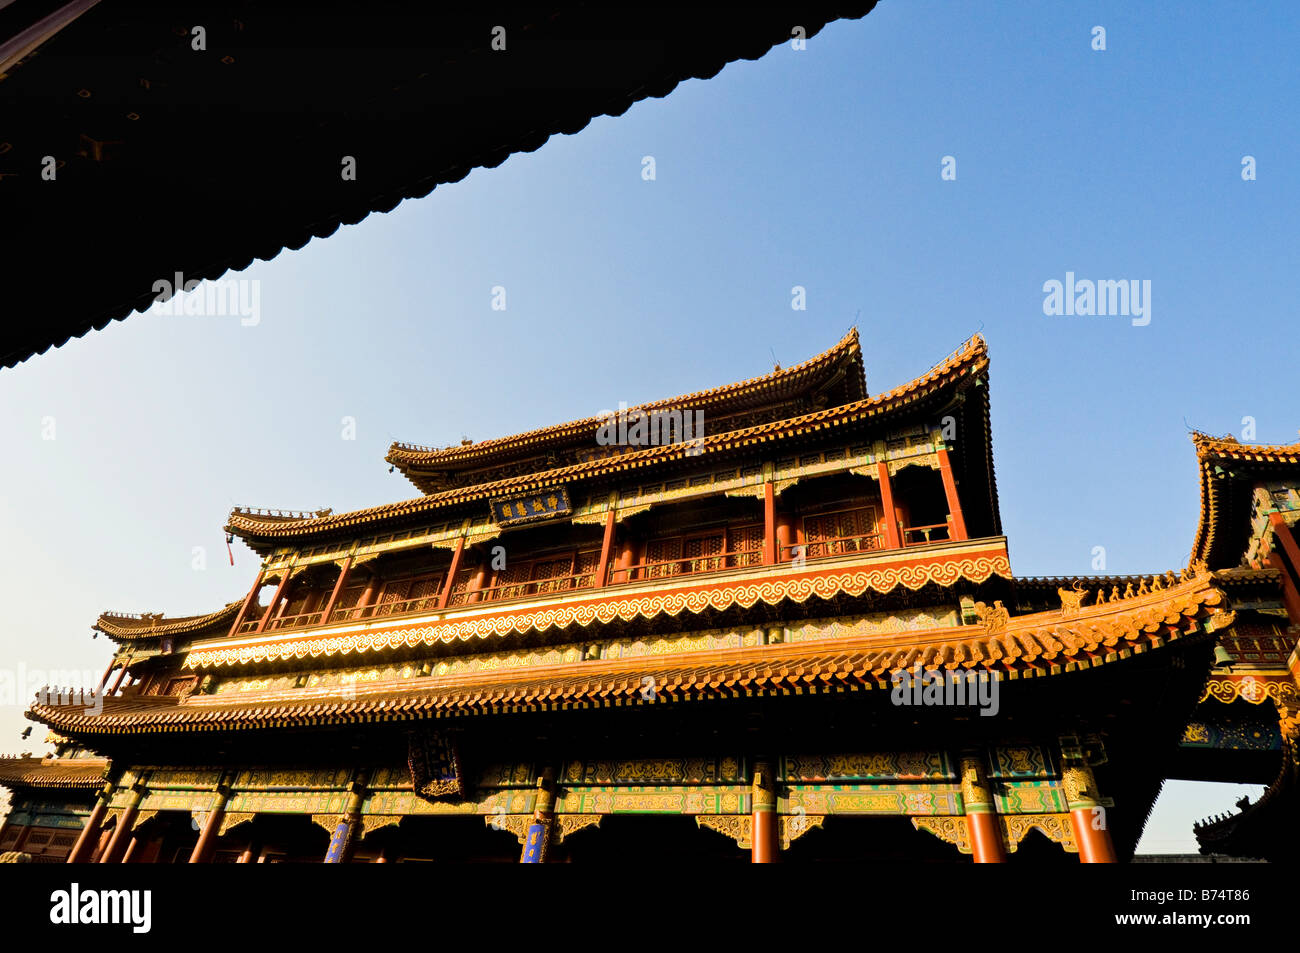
x=791 y=633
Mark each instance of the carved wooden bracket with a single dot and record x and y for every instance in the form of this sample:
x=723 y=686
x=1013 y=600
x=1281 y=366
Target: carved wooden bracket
x=234 y=819
x=739 y=827
x=516 y=824
x=1057 y=827
x=374 y=822
x=566 y=824
x=795 y=826
x=951 y=829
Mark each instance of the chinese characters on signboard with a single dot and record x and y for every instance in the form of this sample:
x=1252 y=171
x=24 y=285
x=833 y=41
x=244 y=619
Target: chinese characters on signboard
x=534 y=506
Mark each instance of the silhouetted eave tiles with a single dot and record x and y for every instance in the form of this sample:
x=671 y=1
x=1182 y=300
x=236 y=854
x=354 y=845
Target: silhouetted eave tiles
x=124 y=628
x=1035 y=645
x=83 y=773
x=971 y=360
x=1210 y=452
x=754 y=34
x=774 y=385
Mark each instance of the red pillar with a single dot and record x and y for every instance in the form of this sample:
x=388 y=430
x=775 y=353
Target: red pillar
x=89 y=837
x=769 y=524
x=122 y=831
x=981 y=812
x=101 y=845
x=477 y=583
x=950 y=491
x=766 y=839
x=107 y=672
x=275 y=600
x=785 y=537
x=1284 y=536
x=445 y=597
x=118 y=681
x=248 y=603
x=1087 y=817
x=1290 y=596
x=338 y=588
x=626 y=560
x=606 y=551
x=202 y=852
x=893 y=539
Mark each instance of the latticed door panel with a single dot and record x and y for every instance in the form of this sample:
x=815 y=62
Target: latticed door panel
x=424 y=593
x=586 y=568
x=704 y=552
x=746 y=545
x=394 y=591
x=348 y=598
x=460 y=587
x=662 y=554
x=545 y=571
x=511 y=582
x=834 y=534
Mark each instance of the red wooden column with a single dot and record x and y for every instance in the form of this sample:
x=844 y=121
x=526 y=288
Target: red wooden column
x=981 y=814
x=107 y=672
x=248 y=603
x=785 y=536
x=606 y=550
x=477 y=582
x=445 y=596
x=1087 y=817
x=202 y=852
x=120 y=675
x=950 y=491
x=275 y=600
x=769 y=524
x=893 y=539
x=89 y=837
x=342 y=581
x=626 y=560
x=1284 y=536
x=1290 y=554
x=1290 y=596
x=122 y=831
x=765 y=838
x=367 y=594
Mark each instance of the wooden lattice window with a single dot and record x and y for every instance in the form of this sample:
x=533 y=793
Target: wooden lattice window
x=746 y=545
x=545 y=569
x=586 y=568
x=349 y=597
x=658 y=555
x=511 y=582
x=460 y=586
x=847 y=531
x=698 y=550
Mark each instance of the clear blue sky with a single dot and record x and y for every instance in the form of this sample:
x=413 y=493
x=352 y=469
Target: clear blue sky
x=818 y=168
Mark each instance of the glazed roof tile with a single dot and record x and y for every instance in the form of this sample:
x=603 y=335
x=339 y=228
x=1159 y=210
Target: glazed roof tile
x=1039 y=644
x=21 y=772
x=844 y=355
x=124 y=627
x=971 y=359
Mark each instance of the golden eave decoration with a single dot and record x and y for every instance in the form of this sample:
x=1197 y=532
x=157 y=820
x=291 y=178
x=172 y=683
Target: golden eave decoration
x=975 y=562
x=1035 y=645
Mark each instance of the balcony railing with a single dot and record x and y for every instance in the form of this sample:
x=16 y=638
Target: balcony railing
x=834 y=546
x=638 y=572
x=688 y=566
x=521 y=590
x=384 y=609
x=920 y=535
